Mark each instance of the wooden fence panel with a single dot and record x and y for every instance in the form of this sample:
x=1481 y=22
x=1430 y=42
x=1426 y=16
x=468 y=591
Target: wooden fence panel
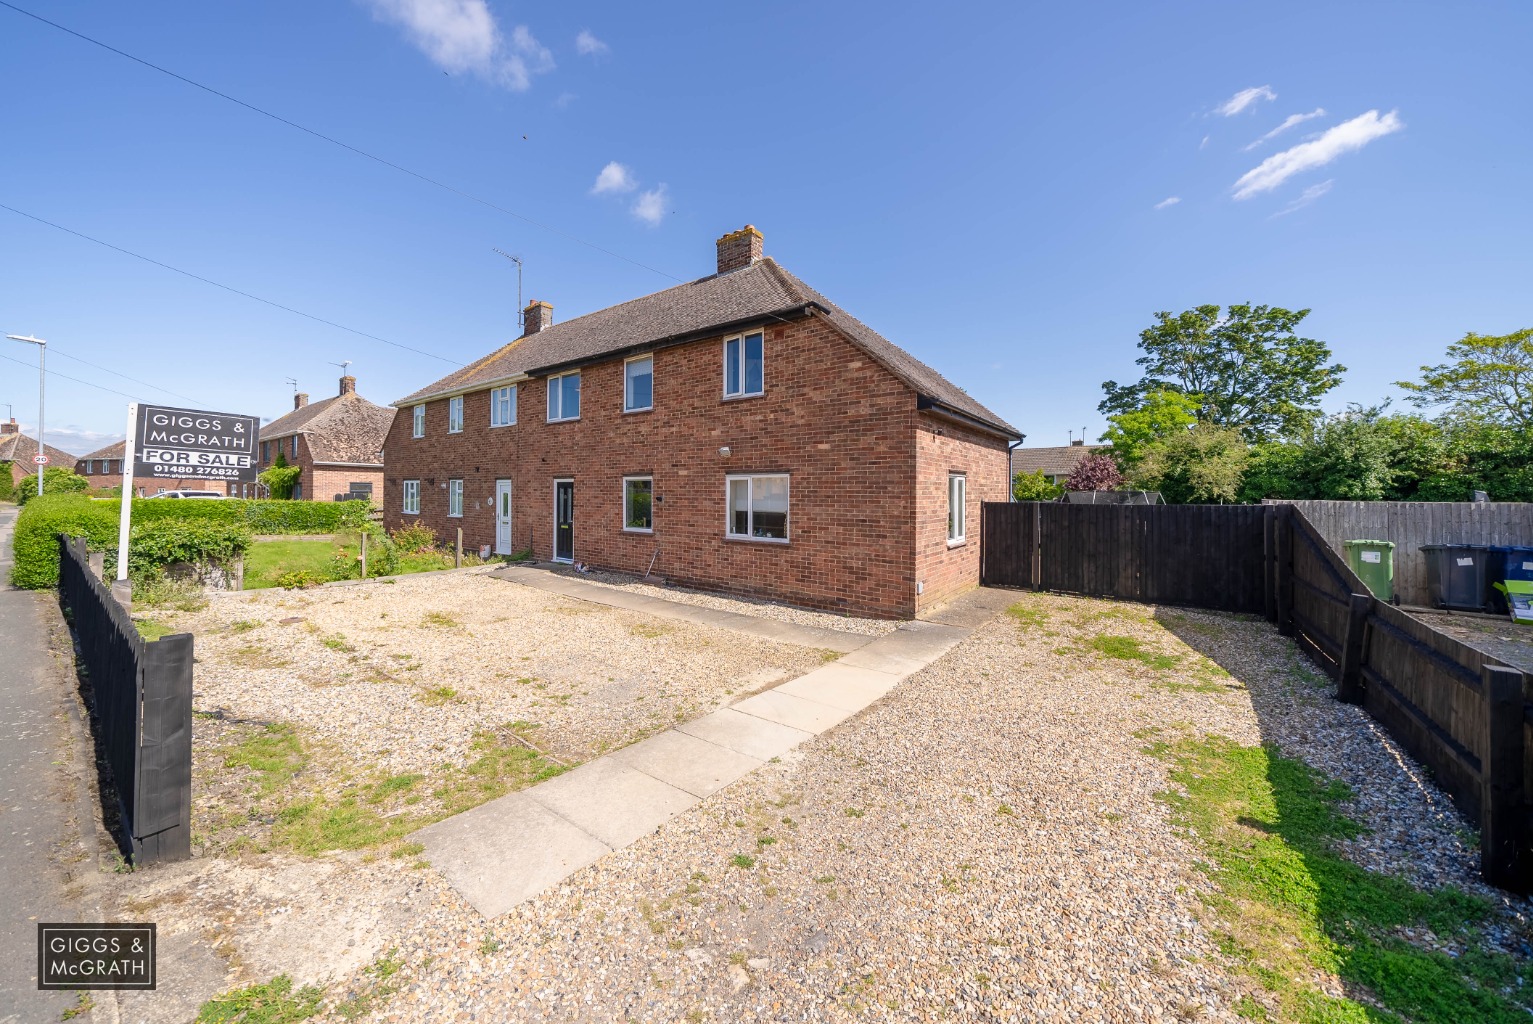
x=1008 y=544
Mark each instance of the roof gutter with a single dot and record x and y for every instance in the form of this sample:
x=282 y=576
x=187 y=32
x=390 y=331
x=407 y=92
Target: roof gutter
x=926 y=403
x=493 y=382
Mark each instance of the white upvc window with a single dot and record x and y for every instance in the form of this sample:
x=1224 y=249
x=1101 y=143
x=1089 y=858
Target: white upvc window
x=410 y=504
x=455 y=498
x=639 y=384
x=503 y=406
x=957 y=494
x=455 y=414
x=564 y=397
x=418 y=421
x=638 y=504
x=757 y=507
x=293 y=445
x=744 y=369
x=90 y=467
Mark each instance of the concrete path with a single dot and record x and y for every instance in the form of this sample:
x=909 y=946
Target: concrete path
x=770 y=629
x=509 y=850
x=44 y=858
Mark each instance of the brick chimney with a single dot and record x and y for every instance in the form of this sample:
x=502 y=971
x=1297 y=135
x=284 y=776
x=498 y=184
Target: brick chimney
x=538 y=316
x=10 y=428
x=739 y=249
x=348 y=385
x=300 y=400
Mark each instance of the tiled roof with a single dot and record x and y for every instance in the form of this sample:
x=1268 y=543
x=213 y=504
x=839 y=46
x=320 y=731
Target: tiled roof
x=346 y=428
x=21 y=448
x=755 y=293
x=1053 y=461
x=115 y=450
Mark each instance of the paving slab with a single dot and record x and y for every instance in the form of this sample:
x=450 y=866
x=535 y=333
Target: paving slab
x=611 y=801
x=973 y=608
x=507 y=851
x=793 y=711
x=686 y=762
x=842 y=686
x=745 y=734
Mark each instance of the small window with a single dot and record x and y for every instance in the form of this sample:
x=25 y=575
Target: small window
x=638 y=504
x=503 y=406
x=90 y=467
x=265 y=451
x=418 y=422
x=564 y=397
x=743 y=373
x=411 y=504
x=639 y=384
x=455 y=498
x=957 y=492
x=294 y=446
x=758 y=507
x=455 y=415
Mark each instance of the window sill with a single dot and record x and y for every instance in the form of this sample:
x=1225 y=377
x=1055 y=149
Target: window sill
x=416 y=437
x=635 y=529
x=647 y=408
x=566 y=419
x=960 y=542
x=730 y=538
x=739 y=398
x=458 y=516
x=497 y=426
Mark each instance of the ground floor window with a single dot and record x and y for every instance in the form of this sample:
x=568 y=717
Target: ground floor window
x=638 y=509
x=957 y=491
x=758 y=507
x=411 y=505
x=455 y=497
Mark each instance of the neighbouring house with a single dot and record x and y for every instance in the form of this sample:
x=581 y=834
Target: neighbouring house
x=337 y=441
x=1057 y=463
x=17 y=451
x=103 y=468
x=739 y=432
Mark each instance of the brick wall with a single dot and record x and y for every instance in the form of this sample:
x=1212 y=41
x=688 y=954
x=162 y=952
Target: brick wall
x=320 y=482
x=837 y=422
x=942 y=449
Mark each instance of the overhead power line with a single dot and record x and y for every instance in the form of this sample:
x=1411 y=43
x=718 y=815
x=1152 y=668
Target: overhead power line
x=77 y=380
x=225 y=287
x=106 y=369
x=337 y=142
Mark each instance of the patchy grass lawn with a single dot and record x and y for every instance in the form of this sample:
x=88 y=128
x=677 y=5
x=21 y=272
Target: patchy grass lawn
x=268 y=560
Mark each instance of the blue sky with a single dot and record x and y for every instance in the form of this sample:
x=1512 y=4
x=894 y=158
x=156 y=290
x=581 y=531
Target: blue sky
x=986 y=185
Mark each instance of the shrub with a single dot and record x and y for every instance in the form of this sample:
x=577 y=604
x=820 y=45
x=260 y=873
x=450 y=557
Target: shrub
x=7 y=487
x=1034 y=486
x=415 y=538
x=382 y=555
x=259 y=516
x=1096 y=472
x=36 y=545
x=56 y=480
x=155 y=545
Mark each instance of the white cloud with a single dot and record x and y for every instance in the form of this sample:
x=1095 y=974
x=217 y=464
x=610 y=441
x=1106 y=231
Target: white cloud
x=1245 y=98
x=1168 y=201
x=614 y=178
x=650 y=207
x=588 y=45
x=1288 y=122
x=1306 y=197
x=463 y=36
x=1204 y=143
x=1343 y=138
x=563 y=100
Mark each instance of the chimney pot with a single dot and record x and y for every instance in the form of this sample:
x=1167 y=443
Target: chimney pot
x=538 y=316
x=739 y=249
x=1077 y=444
x=348 y=385
x=10 y=428
x=300 y=400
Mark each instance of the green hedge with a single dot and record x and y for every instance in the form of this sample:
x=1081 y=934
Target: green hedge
x=43 y=519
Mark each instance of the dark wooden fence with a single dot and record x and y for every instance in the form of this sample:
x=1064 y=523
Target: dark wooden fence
x=1462 y=714
x=141 y=710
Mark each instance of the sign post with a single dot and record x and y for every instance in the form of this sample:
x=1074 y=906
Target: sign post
x=179 y=444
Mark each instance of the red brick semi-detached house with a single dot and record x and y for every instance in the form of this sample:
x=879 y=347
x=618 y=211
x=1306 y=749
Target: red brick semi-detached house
x=740 y=432
x=337 y=441
x=103 y=468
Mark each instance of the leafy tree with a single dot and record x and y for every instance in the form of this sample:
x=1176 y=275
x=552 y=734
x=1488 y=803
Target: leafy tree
x=1244 y=366
x=1489 y=378
x=1362 y=454
x=1161 y=413
x=1034 y=486
x=1201 y=464
x=1477 y=455
x=281 y=478
x=56 y=480
x=1096 y=472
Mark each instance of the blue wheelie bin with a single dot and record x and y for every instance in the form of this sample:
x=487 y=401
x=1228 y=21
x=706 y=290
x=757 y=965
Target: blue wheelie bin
x=1507 y=564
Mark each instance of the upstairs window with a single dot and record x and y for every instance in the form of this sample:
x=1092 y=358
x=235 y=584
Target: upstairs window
x=564 y=397
x=90 y=467
x=294 y=447
x=503 y=406
x=758 y=507
x=639 y=384
x=411 y=503
x=418 y=422
x=957 y=494
x=265 y=451
x=455 y=415
x=743 y=365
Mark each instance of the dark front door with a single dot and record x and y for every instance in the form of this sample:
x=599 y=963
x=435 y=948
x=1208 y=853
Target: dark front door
x=564 y=520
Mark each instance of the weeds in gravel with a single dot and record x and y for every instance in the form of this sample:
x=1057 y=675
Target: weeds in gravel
x=743 y=861
x=243 y=625
x=442 y=620
x=273 y=1002
x=338 y=643
x=1026 y=615
x=273 y=753
x=254 y=656
x=1291 y=907
x=151 y=629
x=649 y=631
x=1126 y=648
x=437 y=696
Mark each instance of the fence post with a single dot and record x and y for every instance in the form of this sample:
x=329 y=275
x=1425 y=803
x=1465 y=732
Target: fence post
x=1282 y=569
x=1035 y=556
x=1349 y=677
x=457 y=551
x=1269 y=558
x=1502 y=829
x=162 y=815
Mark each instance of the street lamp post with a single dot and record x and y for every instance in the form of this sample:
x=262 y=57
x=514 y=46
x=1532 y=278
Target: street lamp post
x=42 y=376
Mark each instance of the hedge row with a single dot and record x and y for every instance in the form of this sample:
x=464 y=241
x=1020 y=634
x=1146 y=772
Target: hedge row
x=212 y=524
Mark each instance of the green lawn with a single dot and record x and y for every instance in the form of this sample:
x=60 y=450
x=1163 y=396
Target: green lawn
x=270 y=563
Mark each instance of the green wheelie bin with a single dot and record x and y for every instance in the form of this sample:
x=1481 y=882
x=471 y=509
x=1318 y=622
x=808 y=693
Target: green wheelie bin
x=1374 y=563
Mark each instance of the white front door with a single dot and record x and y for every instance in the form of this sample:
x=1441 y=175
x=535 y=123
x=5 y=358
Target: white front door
x=503 y=517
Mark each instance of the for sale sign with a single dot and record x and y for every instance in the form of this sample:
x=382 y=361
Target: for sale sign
x=192 y=444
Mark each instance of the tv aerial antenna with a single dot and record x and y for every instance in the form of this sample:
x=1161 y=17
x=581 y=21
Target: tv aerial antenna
x=293 y=381
x=520 y=316
x=342 y=364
